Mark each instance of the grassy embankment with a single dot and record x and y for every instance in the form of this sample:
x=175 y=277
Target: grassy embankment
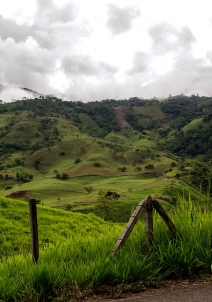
x=78 y=247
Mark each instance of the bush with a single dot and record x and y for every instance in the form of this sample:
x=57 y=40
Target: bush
x=138 y=169
x=58 y=176
x=23 y=177
x=8 y=187
x=77 y=161
x=122 y=169
x=148 y=167
x=97 y=164
x=64 y=176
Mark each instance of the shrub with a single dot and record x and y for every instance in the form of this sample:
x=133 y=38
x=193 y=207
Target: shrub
x=106 y=204
x=77 y=160
x=148 y=167
x=8 y=187
x=138 y=169
x=68 y=207
x=122 y=169
x=23 y=177
x=64 y=176
x=97 y=164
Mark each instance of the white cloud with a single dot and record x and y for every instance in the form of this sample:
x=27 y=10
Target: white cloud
x=102 y=49
x=120 y=19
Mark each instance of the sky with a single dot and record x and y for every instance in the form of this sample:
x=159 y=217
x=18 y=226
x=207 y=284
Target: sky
x=90 y=50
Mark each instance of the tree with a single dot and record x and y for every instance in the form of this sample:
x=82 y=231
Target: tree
x=149 y=167
x=37 y=163
x=122 y=169
x=77 y=161
x=23 y=177
x=64 y=176
x=106 y=204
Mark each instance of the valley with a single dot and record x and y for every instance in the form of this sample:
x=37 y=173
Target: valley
x=88 y=165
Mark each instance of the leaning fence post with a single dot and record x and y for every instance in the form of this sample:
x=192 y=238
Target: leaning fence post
x=166 y=219
x=34 y=229
x=141 y=207
x=149 y=223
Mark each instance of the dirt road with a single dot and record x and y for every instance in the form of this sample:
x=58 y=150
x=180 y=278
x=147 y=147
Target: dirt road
x=183 y=291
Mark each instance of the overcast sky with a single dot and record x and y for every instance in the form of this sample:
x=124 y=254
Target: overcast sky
x=97 y=49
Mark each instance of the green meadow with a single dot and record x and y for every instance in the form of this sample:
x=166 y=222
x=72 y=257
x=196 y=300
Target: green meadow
x=75 y=252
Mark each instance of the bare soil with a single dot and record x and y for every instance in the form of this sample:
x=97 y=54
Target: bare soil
x=196 y=289
x=121 y=113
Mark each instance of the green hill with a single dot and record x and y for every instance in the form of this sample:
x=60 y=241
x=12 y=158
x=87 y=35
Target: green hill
x=55 y=143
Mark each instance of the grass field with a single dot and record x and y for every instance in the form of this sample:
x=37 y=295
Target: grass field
x=193 y=124
x=75 y=252
x=52 y=191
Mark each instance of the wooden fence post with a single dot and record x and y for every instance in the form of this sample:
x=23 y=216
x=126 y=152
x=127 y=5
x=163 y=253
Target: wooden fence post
x=141 y=207
x=149 y=224
x=34 y=229
x=166 y=219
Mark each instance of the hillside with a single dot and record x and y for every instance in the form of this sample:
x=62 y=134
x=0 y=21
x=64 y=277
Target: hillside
x=54 y=149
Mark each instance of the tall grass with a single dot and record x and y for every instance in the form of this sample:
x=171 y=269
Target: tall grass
x=83 y=259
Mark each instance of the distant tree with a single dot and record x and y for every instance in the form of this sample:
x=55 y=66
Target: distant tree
x=64 y=176
x=56 y=131
x=23 y=177
x=149 y=167
x=138 y=169
x=77 y=160
x=96 y=164
x=122 y=169
x=107 y=204
x=37 y=163
x=68 y=207
x=58 y=176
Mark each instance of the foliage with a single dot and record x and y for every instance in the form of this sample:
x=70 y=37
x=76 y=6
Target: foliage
x=122 y=169
x=107 y=204
x=23 y=177
x=77 y=160
x=37 y=163
x=62 y=176
x=201 y=176
x=149 y=167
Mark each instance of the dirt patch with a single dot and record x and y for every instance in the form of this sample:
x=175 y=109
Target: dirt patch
x=133 y=290
x=138 y=107
x=121 y=114
x=138 y=289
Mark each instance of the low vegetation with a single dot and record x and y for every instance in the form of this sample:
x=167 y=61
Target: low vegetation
x=79 y=255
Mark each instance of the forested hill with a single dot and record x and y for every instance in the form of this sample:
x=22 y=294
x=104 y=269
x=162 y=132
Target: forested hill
x=179 y=124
